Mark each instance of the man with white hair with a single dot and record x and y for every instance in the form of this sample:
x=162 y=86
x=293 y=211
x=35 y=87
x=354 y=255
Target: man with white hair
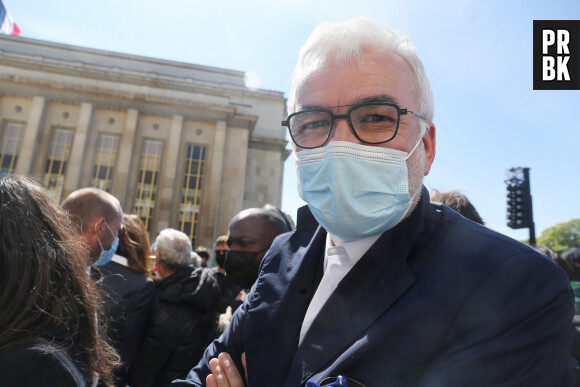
x=183 y=316
x=377 y=286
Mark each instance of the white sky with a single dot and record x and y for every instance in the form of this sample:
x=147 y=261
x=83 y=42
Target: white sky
x=477 y=54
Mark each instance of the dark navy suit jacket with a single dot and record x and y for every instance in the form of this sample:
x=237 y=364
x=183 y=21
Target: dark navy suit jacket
x=437 y=301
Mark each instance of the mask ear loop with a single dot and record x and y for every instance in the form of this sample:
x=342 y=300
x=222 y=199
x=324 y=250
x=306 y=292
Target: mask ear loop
x=424 y=129
x=98 y=239
x=420 y=139
x=110 y=229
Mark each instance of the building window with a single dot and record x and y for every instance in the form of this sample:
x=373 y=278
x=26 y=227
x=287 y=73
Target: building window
x=105 y=161
x=10 y=146
x=57 y=160
x=189 y=210
x=147 y=180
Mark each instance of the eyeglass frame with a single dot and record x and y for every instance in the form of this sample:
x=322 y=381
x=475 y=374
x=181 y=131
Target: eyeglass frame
x=334 y=117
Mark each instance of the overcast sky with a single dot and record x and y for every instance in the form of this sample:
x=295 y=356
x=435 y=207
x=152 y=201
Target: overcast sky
x=477 y=54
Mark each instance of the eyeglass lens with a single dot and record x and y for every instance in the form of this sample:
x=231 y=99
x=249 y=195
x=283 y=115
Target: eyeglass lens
x=372 y=123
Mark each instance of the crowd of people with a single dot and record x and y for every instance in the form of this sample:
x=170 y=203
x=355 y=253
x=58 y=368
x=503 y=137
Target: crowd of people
x=83 y=304
x=380 y=284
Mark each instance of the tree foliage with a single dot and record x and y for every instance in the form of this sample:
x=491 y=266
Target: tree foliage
x=561 y=236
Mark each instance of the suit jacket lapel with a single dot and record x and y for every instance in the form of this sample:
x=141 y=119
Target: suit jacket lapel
x=285 y=289
x=366 y=292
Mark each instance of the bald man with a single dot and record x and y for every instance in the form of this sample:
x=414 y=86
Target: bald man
x=251 y=232
x=98 y=217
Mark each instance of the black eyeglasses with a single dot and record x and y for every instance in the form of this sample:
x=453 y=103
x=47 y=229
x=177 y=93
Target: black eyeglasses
x=371 y=123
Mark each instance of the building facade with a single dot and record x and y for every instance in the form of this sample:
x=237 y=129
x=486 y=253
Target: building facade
x=181 y=145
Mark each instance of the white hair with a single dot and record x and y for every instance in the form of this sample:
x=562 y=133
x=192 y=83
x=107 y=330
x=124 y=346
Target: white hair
x=346 y=42
x=174 y=248
x=195 y=259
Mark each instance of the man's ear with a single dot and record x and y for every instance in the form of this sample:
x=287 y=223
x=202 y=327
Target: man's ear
x=98 y=227
x=429 y=142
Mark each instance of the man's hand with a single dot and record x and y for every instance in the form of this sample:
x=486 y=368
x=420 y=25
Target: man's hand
x=241 y=296
x=224 y=372
x=225 y=318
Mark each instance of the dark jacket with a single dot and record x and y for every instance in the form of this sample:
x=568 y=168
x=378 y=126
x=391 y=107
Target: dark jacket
x=436 y=301
x=228 y=290
x=180 y=325
x=127 y=296
x=42 y=364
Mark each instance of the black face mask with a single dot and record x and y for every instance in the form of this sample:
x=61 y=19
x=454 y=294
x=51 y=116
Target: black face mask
x=220 y=257
x=242 y=267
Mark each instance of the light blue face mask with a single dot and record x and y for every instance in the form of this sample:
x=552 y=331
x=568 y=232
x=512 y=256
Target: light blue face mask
x=107 y=255
x=353 y=190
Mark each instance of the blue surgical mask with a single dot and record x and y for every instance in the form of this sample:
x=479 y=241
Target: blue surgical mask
x=107 y=255
x=353 y=190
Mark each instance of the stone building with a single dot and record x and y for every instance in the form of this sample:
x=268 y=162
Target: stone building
x=182 y=145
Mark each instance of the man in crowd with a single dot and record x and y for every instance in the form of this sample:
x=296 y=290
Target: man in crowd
x=203 y=253
x=183 y=317
x=232 y=294
x=377 y=284
x=98 y=217
x=126 y=294
x=251 y=233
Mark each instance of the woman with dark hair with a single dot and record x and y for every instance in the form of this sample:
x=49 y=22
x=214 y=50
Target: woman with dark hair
x=128 y=291
x=48 y=307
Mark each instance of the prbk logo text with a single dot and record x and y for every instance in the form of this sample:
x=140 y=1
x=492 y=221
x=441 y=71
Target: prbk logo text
x=556 y=54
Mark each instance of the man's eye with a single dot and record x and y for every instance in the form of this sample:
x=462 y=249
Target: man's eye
x=313 y=125
x=377 y=118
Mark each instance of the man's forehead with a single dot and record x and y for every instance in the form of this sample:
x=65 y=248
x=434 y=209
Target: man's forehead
x=380 y=74
x=249 y=226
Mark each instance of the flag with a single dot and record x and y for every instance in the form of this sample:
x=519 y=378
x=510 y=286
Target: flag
x=7 y=25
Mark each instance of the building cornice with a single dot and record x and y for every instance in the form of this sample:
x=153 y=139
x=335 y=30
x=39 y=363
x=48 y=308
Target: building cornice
x=86 y=63
x=269 y=144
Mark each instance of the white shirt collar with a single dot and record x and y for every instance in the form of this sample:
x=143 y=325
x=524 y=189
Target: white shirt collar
x=120 y=260
x=354 y=249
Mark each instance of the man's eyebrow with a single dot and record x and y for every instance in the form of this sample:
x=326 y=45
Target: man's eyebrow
x=375 y=98
x=358 y=101
x=311 y=107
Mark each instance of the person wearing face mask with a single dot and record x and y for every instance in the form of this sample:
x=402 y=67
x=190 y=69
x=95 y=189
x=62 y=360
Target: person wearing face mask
x=127 y=291
x=98 y=217
x=251 y=233
x=232 y=295
x=377 y=286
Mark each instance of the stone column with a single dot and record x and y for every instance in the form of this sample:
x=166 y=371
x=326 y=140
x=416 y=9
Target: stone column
x=167 y=194
x=235 y=157
x=78 y=150
x=125 y=151
x=29 y=145
x=213 y=186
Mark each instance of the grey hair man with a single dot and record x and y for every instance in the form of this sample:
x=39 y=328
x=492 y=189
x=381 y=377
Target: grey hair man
x=172 y=252
x=183 y=316
x=98 y=217
x=377 y=284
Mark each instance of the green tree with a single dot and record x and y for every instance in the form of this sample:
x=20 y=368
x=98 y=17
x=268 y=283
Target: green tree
x=561 y=236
